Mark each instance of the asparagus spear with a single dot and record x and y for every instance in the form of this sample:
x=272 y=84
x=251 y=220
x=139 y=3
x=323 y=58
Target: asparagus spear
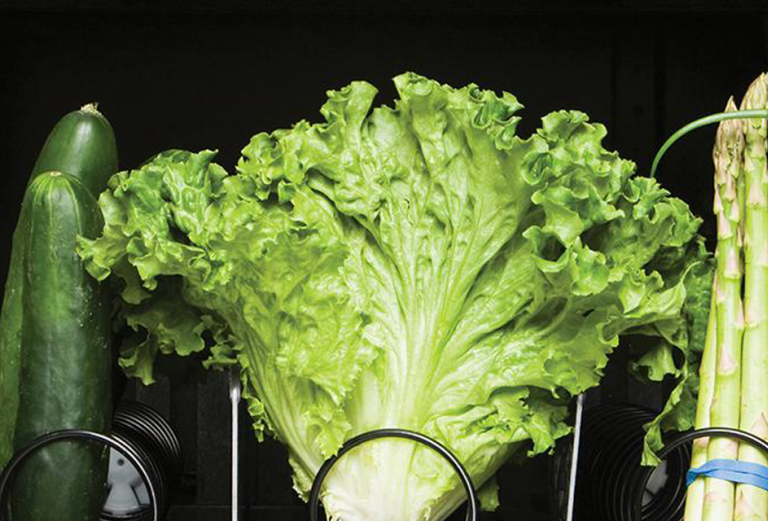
x=694 y=502
x=752 y=502
x=727 y=154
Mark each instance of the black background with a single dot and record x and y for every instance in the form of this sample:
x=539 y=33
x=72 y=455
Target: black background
x=192 y=76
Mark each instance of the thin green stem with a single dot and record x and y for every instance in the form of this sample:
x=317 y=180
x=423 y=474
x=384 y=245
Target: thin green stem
x=702 y=122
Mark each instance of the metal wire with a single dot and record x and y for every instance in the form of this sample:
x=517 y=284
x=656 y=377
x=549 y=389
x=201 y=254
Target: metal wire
x=234 y=396
x=466 y=480
x=575 y=458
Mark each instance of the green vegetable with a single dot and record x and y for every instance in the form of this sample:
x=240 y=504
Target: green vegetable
x=10 y=345
x=752 y=502
x=729 y=186
x=694 y=502
x=732 y=391
x=81 y=144
x=421 y=266
x=65 y=356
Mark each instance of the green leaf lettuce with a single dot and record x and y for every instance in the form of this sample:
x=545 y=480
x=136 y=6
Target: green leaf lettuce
x=418 y=266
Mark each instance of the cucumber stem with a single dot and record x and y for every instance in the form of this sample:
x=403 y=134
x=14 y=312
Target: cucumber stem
x=93 y=108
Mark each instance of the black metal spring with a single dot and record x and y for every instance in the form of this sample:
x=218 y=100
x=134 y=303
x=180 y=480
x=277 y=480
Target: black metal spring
x=610 y=473
x=140 y=435
x=6 y=477
x=144 y=429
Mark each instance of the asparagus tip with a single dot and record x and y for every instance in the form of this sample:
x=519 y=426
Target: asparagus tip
x=729 y=144
x=756 y=96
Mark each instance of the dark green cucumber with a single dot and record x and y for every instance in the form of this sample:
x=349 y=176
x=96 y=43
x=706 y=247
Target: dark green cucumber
x=10 y=346
x=65 y=356
x=82 y=144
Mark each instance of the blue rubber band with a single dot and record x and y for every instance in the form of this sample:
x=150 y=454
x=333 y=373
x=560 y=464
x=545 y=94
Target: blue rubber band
x=731 y=470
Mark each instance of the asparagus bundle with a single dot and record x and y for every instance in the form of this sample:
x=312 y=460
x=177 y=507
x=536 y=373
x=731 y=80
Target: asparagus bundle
x=735 y=359
x=752 y=502
x=724 y=411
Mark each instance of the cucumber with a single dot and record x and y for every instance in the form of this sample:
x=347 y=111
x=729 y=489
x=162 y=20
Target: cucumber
x=10 y=345
x=82 y=144
x=65 y=356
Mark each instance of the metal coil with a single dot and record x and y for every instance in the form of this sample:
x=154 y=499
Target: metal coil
x=144 y=429
x=139 y=435
x=610 y=476
x=114 y=442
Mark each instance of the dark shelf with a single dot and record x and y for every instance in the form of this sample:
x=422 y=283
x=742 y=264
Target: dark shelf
x=219 y=513
x=395 y=7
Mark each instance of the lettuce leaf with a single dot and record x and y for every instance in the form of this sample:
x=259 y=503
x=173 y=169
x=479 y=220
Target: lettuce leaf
x=418 y=266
